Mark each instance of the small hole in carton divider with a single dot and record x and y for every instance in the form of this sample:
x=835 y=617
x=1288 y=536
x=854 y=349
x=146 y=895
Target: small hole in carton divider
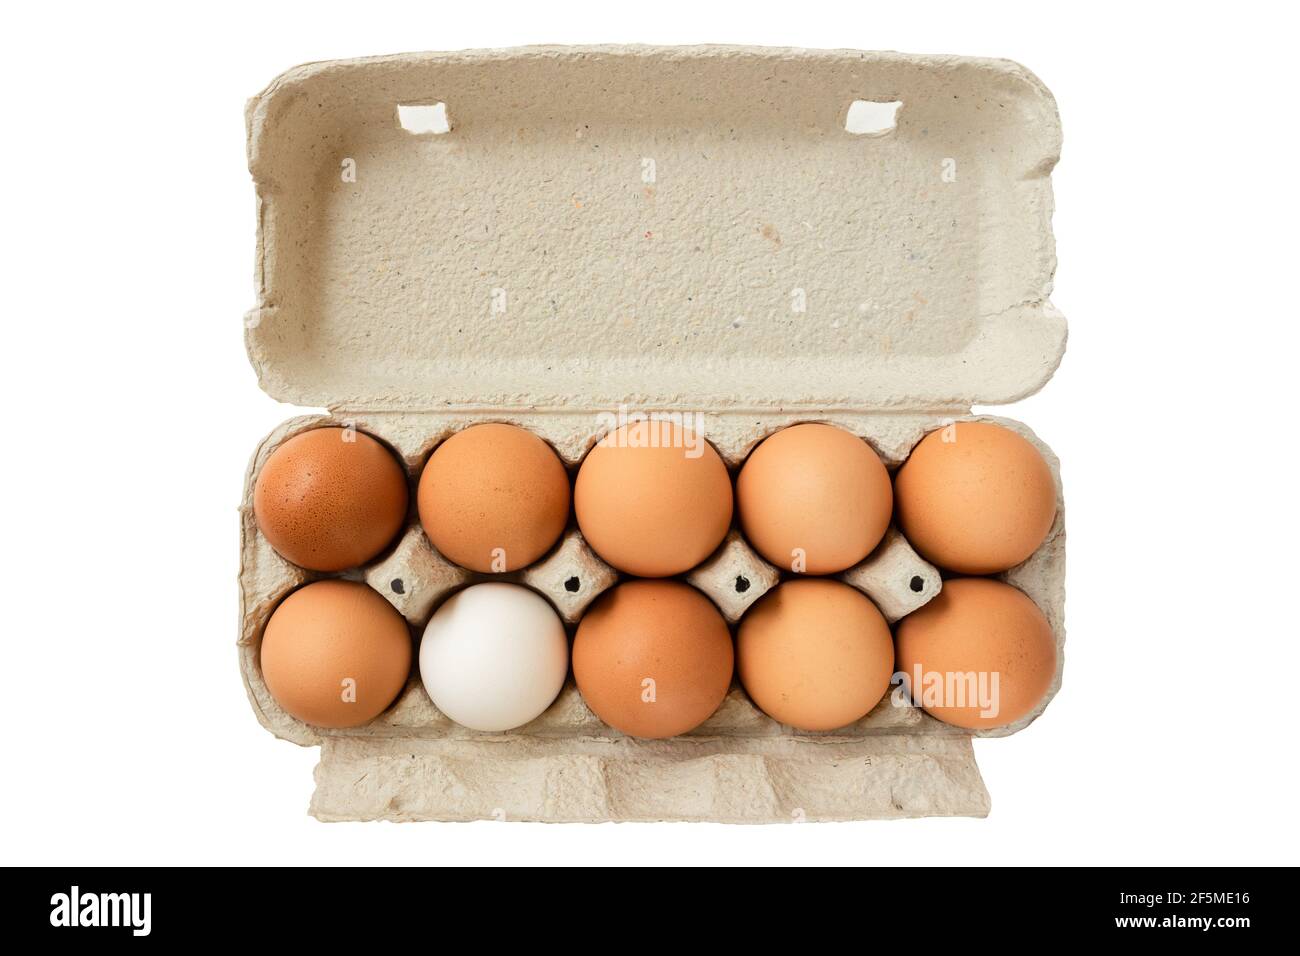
x=917 y=583
x=742 y=584
x=397 y=586
x=867 y=117
x=572 y=585
x=423 y=119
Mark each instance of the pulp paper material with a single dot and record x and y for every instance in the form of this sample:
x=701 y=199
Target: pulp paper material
x=587 y=779
x=607 y=230
x=654 y=226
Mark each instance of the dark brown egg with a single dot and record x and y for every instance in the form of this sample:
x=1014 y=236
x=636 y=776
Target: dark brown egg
x=330 y=498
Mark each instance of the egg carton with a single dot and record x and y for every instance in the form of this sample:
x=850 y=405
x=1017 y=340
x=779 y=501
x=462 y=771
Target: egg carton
x=567 y=764
x=416 y=280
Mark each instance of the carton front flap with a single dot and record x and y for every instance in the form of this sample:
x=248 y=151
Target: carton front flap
x=658 y=226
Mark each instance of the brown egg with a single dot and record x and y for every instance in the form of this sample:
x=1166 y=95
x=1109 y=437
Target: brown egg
x=653 y=658
x=979 y=655
x=975 y=498
x=814 y=498
x=335 y=654
x=330 y=498
x=815 y=654
x=494 y=498
x=653 y=499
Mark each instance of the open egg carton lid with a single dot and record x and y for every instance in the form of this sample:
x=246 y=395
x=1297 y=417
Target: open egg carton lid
x=711 y=226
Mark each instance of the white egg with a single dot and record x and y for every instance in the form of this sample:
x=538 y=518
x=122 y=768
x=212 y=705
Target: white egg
x=494 y=656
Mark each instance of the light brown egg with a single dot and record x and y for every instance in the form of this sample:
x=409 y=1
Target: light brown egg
x=814 y=498
x=653 y=499
x=979 y=655
x=494 y=498
x=815 y=654
x=330 y=498
x=335 y=654
x=653 y=658
x=975 y=498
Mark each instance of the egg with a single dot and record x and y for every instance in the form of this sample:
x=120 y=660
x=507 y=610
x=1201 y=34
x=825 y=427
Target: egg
x=815 y=654
x=975 y=498
x=494 y=656
x=493 y=498
x=653 y=658
x=814 y=498
x=330 y=498
x=979 y=655
x=653 y=498
x=335 y=654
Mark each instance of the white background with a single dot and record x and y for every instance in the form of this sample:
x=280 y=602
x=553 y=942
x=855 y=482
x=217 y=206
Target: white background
x=131 y=411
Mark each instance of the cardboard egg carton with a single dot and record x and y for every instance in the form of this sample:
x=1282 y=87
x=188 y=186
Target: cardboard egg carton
x=554 y=237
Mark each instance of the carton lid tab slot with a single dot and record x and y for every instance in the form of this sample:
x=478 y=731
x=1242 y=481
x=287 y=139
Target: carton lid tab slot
x=869 y=118
x=423 y=119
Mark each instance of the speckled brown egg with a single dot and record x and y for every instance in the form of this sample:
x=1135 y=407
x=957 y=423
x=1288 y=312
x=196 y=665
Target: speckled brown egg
x=494 y=498
x=979 y=655
x=653 y=499
x=653 y=658
x=335 y=654
x=815 y=654
x=330 y=498
x=975 y=498
x=814 y=498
